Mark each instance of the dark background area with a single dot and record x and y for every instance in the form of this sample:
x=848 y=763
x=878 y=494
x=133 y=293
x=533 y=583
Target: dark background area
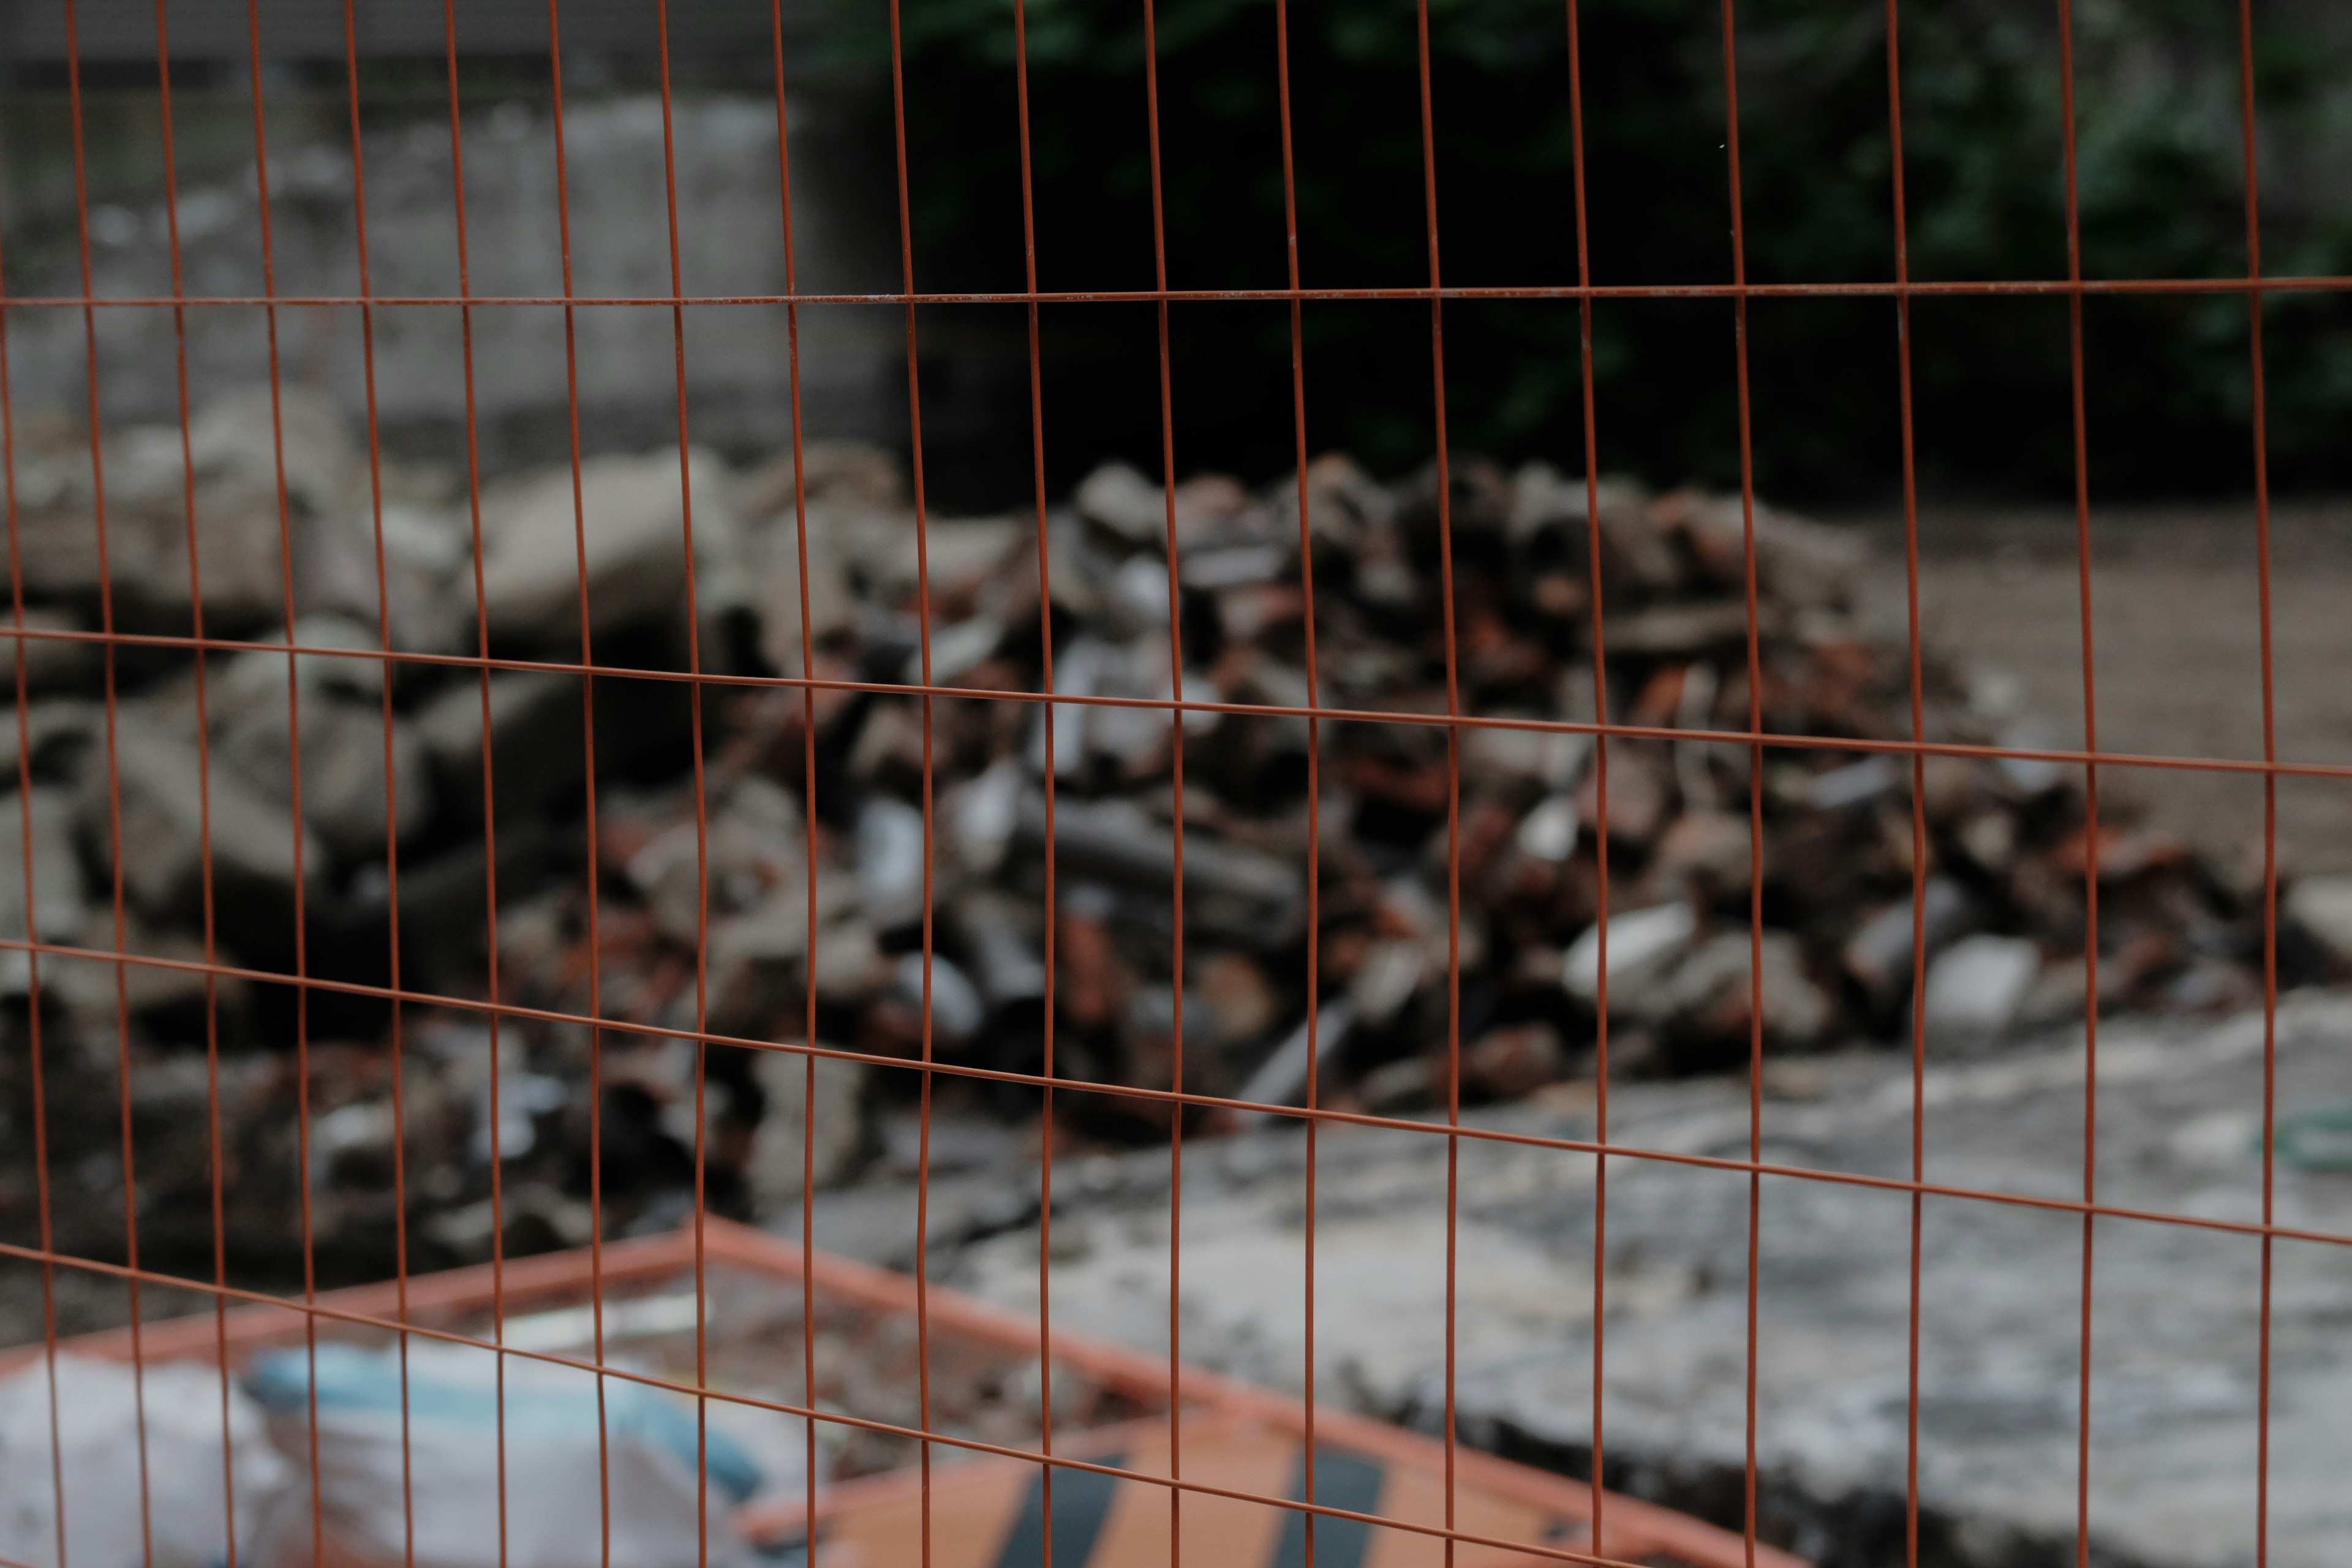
x=2161 y=195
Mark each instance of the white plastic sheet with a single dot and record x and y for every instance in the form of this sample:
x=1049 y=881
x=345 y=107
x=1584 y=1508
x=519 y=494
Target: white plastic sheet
x=97 y=1458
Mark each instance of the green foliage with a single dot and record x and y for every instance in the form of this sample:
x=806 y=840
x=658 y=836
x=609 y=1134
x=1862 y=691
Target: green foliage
x=2159 y=183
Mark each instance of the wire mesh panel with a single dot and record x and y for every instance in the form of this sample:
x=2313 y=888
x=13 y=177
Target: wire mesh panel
x=604 y=681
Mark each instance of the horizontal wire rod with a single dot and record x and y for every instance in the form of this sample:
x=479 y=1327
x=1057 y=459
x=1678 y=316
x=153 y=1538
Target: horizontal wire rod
x=1962 y=288
x=1165 y=1096
x=1772 y=739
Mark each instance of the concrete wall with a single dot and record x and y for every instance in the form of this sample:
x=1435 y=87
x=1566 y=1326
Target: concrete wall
x=731 y=240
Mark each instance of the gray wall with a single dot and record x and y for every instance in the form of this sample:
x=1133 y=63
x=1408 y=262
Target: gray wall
x=731 y=241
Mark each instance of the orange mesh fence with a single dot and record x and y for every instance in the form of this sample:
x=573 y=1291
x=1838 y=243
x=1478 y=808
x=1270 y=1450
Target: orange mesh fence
x=1193 y=1490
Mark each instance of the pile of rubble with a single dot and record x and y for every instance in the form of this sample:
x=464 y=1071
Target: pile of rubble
x=2004 y=907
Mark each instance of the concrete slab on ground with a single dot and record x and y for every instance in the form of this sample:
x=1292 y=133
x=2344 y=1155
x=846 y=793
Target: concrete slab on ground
x=2175 y=1328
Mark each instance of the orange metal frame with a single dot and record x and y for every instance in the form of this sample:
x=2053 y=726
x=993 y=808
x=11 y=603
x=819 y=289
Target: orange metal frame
x=1210 y=1402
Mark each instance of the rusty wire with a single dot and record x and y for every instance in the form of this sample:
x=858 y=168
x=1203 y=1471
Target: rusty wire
x=1899 y=291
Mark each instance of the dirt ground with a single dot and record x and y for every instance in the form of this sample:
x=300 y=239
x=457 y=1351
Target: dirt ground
x=2176 y=621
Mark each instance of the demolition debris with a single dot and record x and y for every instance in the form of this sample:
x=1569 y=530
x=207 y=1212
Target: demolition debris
x=967 y=875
